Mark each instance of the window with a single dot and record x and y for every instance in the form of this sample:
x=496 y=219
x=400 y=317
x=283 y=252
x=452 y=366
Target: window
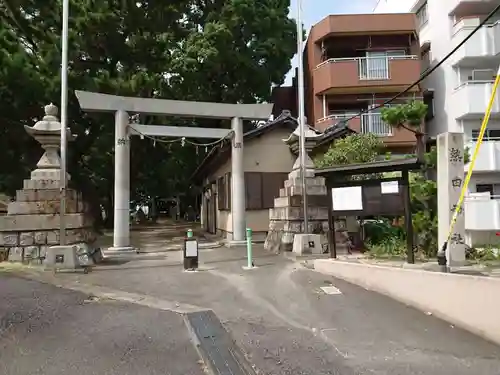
x=482 y=75
x=492 y=189
x=484 y=188
x=224 y=192
x=253 y=190
x=489 y=135
x=422 y=16
x=261 y=189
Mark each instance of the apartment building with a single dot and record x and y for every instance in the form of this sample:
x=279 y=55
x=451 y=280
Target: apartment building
x=355 y=62
x=462 y=88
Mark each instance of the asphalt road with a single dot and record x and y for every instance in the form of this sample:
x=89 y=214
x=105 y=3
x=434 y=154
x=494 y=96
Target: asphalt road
x=47 y=330
x=279 y=315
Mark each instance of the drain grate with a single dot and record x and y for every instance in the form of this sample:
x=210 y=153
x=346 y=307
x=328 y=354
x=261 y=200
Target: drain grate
x=216 y=345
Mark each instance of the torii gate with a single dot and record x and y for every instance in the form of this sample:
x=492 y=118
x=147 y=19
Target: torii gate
x=121 y=106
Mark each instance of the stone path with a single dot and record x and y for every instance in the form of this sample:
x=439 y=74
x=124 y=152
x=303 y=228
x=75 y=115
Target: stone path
x=164 y=236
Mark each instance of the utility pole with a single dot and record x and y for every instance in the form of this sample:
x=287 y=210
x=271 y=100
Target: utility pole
x=64 y=120
x=301 y=119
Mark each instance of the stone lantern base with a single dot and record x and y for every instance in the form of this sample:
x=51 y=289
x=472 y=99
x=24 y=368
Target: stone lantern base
x=32 y=223
x=287 y=217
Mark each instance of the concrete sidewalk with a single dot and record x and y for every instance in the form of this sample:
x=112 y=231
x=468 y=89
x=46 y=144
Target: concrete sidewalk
x=290 y=320
x=469 y=302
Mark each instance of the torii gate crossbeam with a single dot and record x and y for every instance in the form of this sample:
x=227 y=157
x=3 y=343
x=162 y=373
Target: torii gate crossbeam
x=120 y=105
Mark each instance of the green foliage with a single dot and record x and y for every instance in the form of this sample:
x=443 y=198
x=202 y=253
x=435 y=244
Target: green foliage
x=389 y=247
x=376 y=232
x=353 y=149
x=226 y=51
x=484 y=253
x=411 y=114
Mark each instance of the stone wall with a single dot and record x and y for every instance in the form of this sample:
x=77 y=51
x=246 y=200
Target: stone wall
x=32 y=223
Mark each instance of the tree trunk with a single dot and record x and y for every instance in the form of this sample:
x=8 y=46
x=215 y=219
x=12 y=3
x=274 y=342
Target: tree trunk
x=420 y=147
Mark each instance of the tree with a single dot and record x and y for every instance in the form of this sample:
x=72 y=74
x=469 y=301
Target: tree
x=226 y=51
x=409 y=116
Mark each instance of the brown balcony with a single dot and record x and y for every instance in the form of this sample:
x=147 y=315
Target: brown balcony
x=371 y=122
x=364 y=24
x=366 y=74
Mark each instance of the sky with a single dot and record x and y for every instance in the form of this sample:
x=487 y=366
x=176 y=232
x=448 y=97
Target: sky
x=316 y=10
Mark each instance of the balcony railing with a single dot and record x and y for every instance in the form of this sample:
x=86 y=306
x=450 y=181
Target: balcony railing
x=371 y=68
x=334 y=118
x=482 y=212
x=484 y=43
x=373 y=123
x=488 y=157
x=470 y=99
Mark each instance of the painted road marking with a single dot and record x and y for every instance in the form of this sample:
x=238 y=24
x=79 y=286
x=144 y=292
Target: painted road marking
x=330 y=290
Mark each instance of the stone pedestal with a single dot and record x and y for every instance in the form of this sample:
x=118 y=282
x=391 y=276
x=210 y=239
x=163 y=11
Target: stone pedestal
x=450 y=170
x=32 y=223
x=286 y=219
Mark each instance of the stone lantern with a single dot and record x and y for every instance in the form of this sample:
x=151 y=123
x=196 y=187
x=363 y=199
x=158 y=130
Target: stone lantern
x=286 y=219
x=47 y=132
x=32 y=223
x=293 y=141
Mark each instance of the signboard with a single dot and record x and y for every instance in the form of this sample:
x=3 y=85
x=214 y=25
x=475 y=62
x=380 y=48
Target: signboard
x=373 y=198
x=347 y=198
x=191 y=248
x=389 y=187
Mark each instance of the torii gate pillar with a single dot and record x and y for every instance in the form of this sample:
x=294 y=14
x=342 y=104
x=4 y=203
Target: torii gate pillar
x=121 y=232
x=238 y=204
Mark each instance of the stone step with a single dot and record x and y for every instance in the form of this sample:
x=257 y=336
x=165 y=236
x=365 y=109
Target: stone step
x=296 y=201
x=297 y=190
x=43 y=207
x=12 y=223
x=38 y=195
x=297 y=213
x=297 y=226
x=41 y=184
x=297 y=181
x=297 y=173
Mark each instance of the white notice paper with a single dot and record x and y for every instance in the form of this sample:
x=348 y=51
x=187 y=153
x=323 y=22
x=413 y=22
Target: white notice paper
x=389 y=187
x=347 y=198
x=192 y=248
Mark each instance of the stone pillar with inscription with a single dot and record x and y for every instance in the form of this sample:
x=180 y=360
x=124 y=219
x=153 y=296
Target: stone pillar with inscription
x=32 y=223
x=450 y=171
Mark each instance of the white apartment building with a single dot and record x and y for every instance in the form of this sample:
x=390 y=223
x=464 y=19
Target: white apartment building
x=462 y=88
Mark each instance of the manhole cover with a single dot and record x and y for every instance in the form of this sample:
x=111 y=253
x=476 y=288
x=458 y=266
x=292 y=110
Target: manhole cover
x=330 y=290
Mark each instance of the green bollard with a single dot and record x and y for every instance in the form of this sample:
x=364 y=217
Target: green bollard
x=190 y=233
x=249 y=248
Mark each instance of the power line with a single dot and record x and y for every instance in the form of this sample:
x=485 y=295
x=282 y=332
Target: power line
x=430 y=70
